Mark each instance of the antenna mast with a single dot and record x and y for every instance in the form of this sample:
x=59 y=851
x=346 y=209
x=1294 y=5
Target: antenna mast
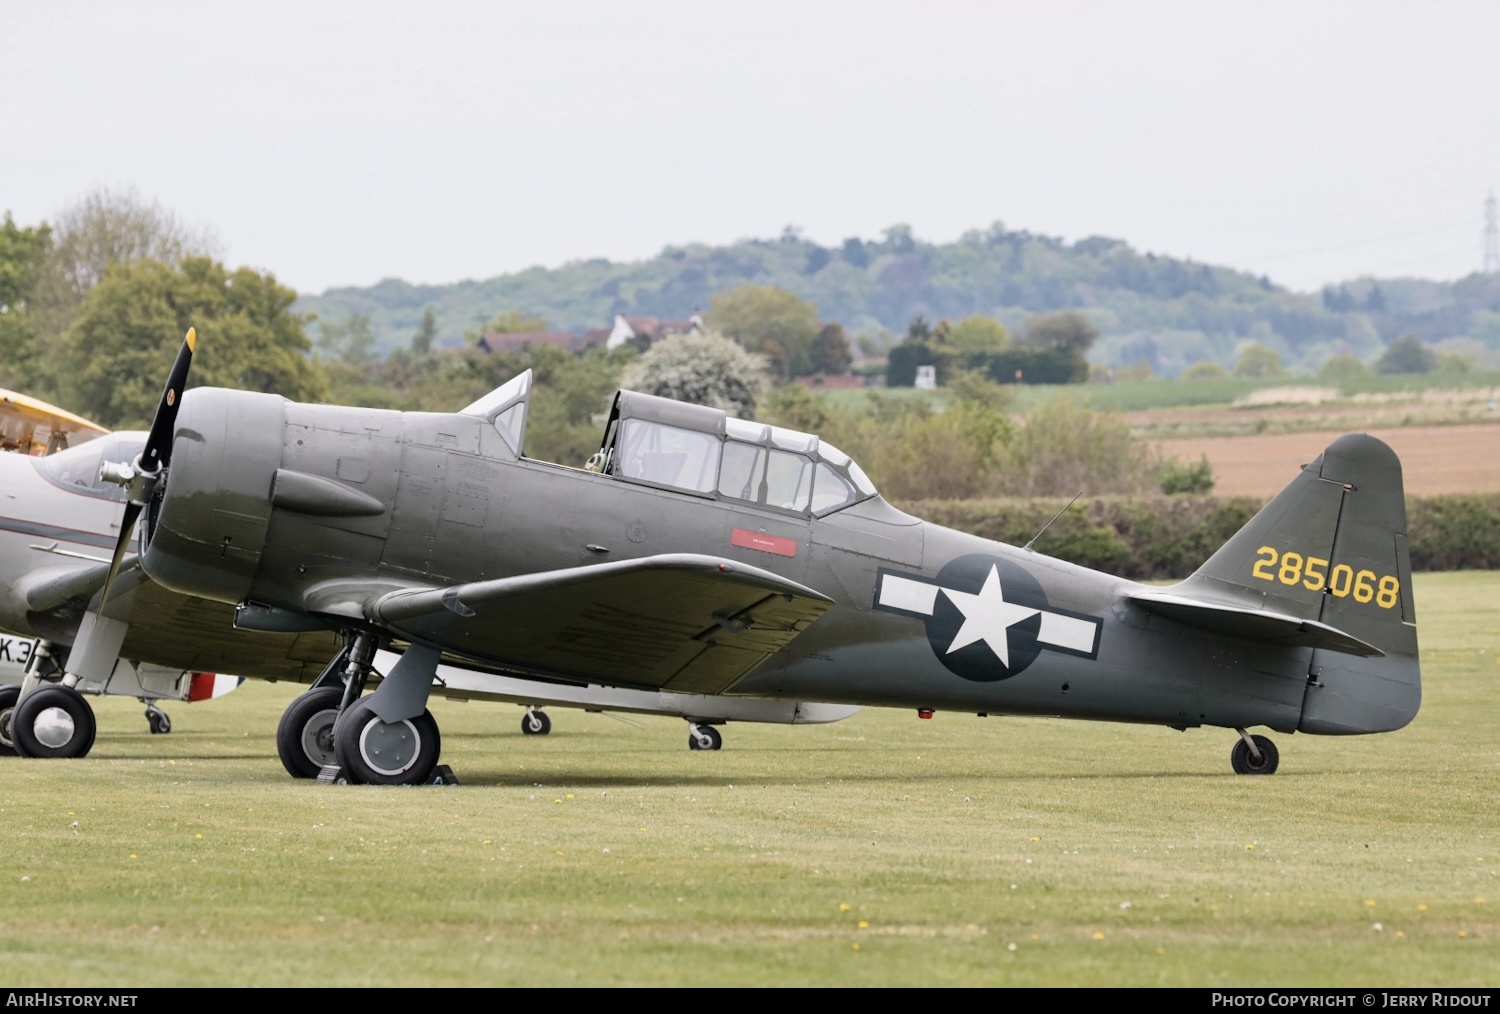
x=1491 y=236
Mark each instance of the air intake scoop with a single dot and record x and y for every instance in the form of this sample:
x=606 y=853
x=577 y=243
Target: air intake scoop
x=313 y=494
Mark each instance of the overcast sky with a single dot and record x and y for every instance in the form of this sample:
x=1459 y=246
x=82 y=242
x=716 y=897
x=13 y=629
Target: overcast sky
x=339 y=144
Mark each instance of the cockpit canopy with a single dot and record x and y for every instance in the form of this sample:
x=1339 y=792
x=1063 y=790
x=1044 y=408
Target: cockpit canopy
x=696 y=449
x=700 y=450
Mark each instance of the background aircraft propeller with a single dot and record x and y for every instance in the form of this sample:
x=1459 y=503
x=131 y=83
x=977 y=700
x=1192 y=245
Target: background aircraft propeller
x=140 y=478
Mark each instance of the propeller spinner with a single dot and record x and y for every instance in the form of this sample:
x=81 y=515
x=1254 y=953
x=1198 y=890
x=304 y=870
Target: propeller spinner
x=140 y=479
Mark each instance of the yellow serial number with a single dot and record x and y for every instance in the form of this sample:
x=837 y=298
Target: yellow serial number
x=1313 y=573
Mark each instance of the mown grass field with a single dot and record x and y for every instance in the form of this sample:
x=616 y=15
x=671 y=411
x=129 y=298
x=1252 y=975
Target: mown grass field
x=883 y=850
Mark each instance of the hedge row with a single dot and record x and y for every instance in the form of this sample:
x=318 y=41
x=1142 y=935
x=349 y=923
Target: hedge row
x=1171 y=536
x=1017 y=364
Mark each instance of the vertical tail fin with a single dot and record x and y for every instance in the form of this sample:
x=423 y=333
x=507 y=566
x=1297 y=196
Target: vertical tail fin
x=1331 y=547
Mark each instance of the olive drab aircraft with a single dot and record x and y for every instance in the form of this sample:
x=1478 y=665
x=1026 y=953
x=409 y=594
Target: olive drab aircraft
x=702 y=554
x=58 y=521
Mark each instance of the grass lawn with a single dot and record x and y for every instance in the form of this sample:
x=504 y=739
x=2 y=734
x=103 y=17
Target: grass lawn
x=881 y=850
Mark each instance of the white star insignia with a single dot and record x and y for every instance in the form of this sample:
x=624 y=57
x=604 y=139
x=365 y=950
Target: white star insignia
x=987 y=617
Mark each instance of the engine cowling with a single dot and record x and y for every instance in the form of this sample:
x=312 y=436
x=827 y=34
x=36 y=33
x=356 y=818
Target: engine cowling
x=205 y=529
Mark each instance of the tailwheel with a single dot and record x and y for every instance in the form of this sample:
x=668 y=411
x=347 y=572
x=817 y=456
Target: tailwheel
x=1254 y=755
x=304 y=737
x=53 y=721
x=536 y=723
x=8 y=697
x=158 y=720
x=374 y=752
x=704 y=737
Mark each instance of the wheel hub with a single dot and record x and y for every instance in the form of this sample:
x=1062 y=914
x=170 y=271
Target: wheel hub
x=5 y=737
x=390 y=748
x=317 y=737
x=53 y=728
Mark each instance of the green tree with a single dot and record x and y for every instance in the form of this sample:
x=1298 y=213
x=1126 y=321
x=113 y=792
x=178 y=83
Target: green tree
x=1065 y=331
x=1256 y=360
x=421 y=342
x=23 y=253
x=830 y=350
x=1205 y=369
x=769 y=321
x=1454 y=362
x=1343 y=368
x=705 y=369
x=508 y=322
x=1179 y=478
x=1065 y=448
x=973 y=334
x=350 y=340
x=112 y=362
x=110 y=227
x=1406 y=354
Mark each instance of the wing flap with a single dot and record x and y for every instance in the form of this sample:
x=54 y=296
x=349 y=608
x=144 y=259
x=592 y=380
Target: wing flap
x=1254 y=624
x=682 y=622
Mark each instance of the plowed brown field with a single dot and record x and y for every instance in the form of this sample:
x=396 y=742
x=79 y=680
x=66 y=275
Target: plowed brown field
x=1434 y=459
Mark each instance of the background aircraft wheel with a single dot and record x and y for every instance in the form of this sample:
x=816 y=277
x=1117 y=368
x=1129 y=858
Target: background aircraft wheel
x=704 y=737
x=8 y=697
x=536 y=723
x=158 y=721
x=304 y=737
x=1244 y=763
x=386 y=753
x=54 y=721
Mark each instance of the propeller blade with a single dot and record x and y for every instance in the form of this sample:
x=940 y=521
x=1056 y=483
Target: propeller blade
x=127 y=529
x=159 y=443
x=157 y=455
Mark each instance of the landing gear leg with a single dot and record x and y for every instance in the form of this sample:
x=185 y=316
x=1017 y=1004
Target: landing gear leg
x=1254 y=755
x=703 y=737
x=535 y=723
x=157 y=720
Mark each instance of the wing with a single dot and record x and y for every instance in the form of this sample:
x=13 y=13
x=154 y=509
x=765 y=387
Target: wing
x=691 y=624
x=1256 y=624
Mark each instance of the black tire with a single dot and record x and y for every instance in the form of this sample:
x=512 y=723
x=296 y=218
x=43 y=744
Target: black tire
x=158 y=722
x=536 y=723
x=304 y=736
x=705 y=738
x=8 y=697
x=55 y=721
x=411 y=747
x=1244 y=763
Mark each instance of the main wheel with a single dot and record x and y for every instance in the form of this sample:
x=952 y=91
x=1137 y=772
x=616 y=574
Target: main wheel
x=704 y=737
x=386 y=753
x=536 y=723
x=8 y=697
x=304 y=737
x=158 y=721
x=1244 y=763
x=53 y=721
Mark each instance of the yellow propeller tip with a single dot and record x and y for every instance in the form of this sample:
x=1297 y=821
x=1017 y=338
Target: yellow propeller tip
x=192 y=339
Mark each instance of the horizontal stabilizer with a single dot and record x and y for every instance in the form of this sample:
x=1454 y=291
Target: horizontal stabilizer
x=1255 y=624
x=681 y=622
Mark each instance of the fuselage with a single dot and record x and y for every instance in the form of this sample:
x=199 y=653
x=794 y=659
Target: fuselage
x=923 y=616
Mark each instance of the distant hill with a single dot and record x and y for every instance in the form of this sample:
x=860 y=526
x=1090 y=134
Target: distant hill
x=1161 y=310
